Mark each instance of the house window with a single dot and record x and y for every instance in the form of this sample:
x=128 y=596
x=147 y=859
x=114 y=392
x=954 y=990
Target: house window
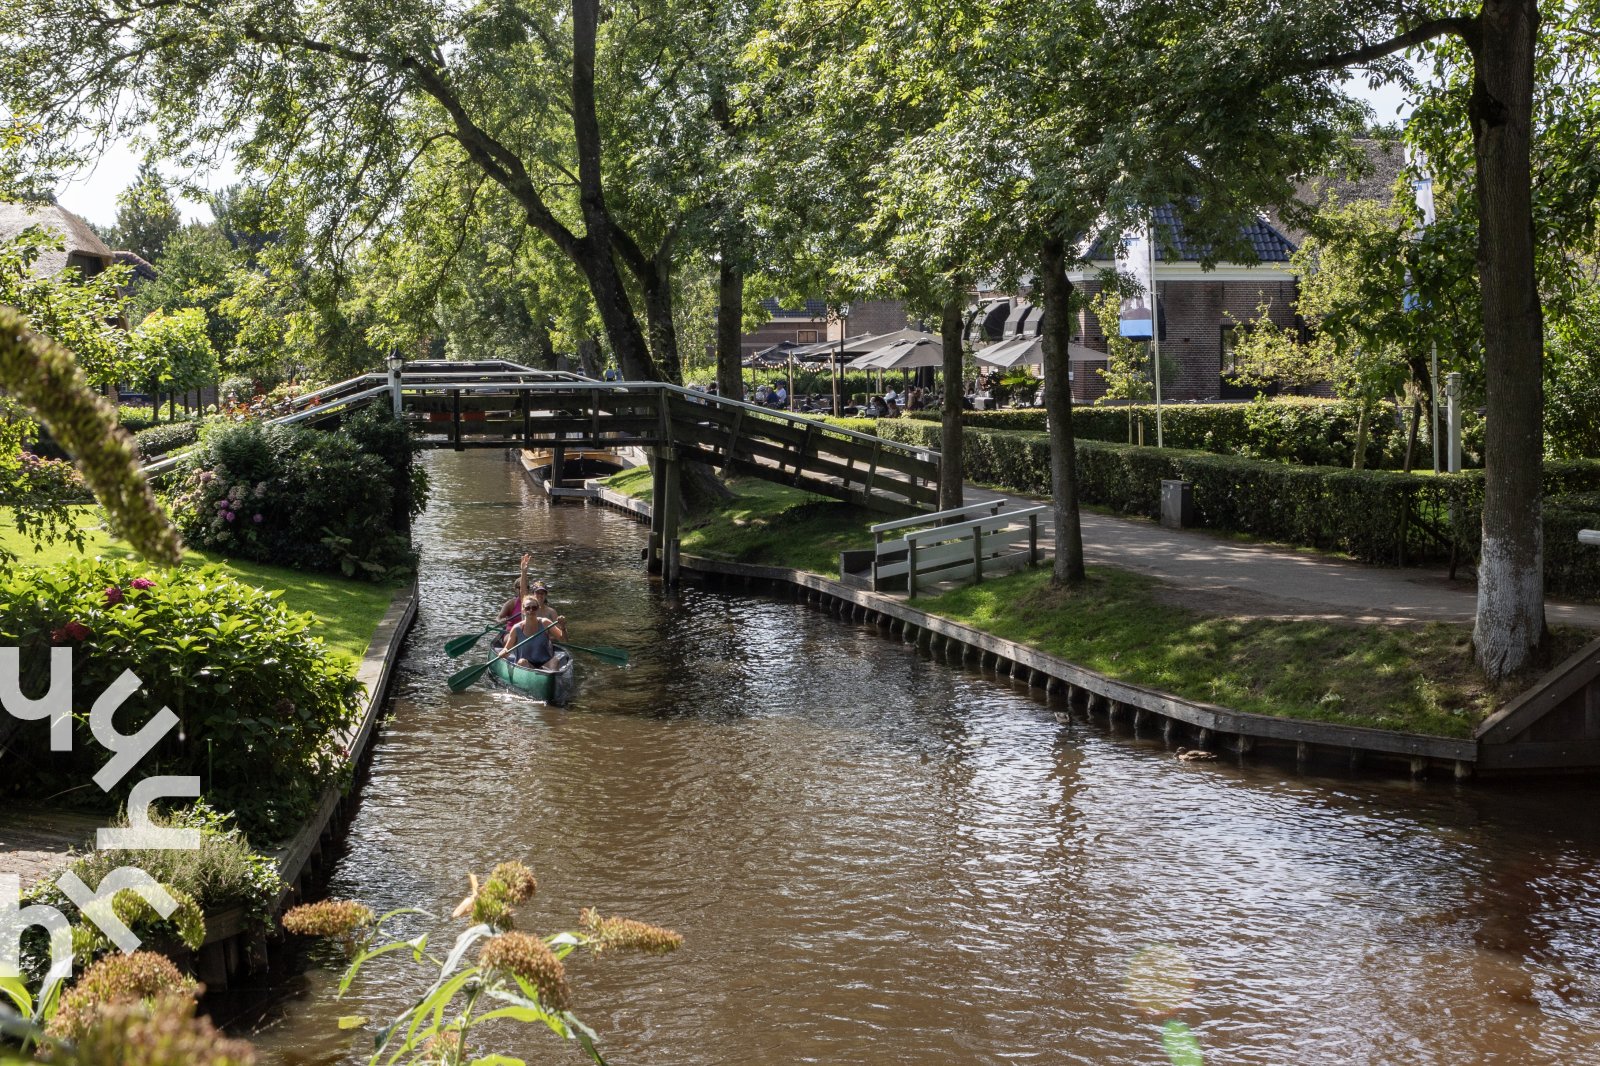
x=1230 y=340
x=805 y=336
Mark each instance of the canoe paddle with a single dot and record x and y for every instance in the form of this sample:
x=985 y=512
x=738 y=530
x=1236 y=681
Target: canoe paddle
x=614 y=656
x=458 y=646
x=461 y=680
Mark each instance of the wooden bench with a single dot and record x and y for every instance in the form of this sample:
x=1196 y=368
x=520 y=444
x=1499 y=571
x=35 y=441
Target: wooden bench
x=893 y=549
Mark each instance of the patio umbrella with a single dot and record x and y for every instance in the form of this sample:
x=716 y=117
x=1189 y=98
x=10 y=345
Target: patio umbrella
x=1029 y=351
x=903 y=354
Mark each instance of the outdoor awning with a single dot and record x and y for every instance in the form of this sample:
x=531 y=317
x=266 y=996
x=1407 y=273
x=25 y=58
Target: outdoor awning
x=1029 y=351
x=771 y=358
x=925 y=350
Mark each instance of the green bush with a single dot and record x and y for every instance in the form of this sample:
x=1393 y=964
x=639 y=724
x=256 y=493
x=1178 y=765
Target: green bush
x=300 y=497
x=261 y=703
x=159 y=440
x=858 y=425
x=1304 y=430
x=377 y=432
x=1377 y=516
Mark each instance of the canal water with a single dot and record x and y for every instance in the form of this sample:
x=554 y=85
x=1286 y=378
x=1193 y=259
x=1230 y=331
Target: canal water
x=875 y=858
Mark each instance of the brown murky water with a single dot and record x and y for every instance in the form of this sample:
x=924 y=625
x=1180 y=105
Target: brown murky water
x=879 y=859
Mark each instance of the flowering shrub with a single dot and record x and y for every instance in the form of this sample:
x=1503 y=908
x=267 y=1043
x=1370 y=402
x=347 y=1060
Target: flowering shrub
x=261 y=704
x=297 y=497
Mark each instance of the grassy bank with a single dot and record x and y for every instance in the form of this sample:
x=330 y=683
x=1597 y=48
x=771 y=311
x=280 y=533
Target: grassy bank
x=1407 y=678
x=348 y=612
x=1418 y=679
x=767 y=524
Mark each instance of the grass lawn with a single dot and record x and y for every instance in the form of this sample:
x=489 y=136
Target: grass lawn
x=348 y=612
x=1417 y=679
x=634 y=481
x=774 y=525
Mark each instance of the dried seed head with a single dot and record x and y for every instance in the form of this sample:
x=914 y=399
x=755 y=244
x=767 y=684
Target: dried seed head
x=330 y=918
x=116 y=979
x=161 y=1033
x=528 y=957
x=518 y=879
x=625 y=934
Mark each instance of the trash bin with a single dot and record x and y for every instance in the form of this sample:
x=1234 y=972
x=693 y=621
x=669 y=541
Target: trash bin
x=1177 y=503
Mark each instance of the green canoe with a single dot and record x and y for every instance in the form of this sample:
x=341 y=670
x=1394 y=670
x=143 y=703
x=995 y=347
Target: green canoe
x=552 y=684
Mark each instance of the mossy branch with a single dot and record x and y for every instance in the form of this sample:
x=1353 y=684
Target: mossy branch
x=45 y=377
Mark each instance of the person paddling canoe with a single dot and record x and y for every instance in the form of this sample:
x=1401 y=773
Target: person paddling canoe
x=511 y=612
x=530 y=640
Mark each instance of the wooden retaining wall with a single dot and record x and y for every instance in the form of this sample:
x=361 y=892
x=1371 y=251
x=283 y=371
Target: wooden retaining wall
x=1119 y=704
x=232 y=944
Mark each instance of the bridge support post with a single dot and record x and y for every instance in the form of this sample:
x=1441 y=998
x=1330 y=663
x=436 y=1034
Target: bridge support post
x=666 y=513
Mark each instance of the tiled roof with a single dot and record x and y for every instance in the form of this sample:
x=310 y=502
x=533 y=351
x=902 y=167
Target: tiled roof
x=1270 y=245
x=812 y=309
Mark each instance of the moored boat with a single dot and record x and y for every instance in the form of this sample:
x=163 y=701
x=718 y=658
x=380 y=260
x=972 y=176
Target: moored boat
x=551 y=684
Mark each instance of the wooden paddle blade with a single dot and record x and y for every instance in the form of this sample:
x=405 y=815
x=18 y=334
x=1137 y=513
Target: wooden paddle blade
x=463 y=679
x=615 y=656
x=460 y=645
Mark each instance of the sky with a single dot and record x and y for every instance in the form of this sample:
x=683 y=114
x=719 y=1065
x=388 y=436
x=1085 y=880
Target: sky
x=92 y=192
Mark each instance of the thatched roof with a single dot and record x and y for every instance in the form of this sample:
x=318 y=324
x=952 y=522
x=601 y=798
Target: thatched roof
x=80 y=238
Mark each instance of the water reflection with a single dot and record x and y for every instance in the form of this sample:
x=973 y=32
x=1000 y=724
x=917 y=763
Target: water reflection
x=878 y=859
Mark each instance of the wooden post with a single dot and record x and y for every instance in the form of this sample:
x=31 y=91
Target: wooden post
x=455 y=421
x=670 y=504
x=1033 y=540
x=977 y=554
x=911 y=569
x=558 y=467
x=527 y=420
x=877 y=552
x=658 y=492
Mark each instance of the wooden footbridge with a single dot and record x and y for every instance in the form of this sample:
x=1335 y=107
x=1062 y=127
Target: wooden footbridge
x=504 y=405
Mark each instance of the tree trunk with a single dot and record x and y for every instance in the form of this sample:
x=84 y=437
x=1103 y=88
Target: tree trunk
x=544 y=348
x=1359 y=460
x=951 y=474
x=1510 y=620
x=656 y=281
x=1057 y=293
x=589 y=357
x=730 y=322
x=1411 y=437
x=594 y=254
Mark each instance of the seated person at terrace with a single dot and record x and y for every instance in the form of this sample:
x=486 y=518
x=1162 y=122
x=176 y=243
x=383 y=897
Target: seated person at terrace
x=530 y=641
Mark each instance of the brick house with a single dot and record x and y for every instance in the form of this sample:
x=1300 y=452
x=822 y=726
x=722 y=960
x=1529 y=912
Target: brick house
x=811 y=323
x=1198 y=309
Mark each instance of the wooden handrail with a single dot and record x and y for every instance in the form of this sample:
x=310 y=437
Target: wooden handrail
x=991 y=506
x=958 y=530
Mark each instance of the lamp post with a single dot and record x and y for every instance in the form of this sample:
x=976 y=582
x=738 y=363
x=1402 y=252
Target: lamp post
x=838 y=356
x=395 y=361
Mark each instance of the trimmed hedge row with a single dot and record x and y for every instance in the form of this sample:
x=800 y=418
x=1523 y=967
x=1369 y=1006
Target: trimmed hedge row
x=1304 y=430
x=1377 y=516
x=159 y=440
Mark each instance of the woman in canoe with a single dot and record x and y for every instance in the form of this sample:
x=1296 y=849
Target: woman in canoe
x=531 y=640
x=511 y=612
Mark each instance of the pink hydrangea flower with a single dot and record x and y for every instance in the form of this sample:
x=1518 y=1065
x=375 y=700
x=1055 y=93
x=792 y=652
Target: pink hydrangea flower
x=113 y=596
x=142 y=583
x=229 y=516
x=258 y=518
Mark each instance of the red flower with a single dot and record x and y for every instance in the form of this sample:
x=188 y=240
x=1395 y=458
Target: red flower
x=71 y=631
x=113 y=596
x=142 y=583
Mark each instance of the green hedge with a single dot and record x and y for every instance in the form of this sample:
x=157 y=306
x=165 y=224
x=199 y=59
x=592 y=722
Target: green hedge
x=1304 y=430
x=1377 y=516
x=159 y=440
